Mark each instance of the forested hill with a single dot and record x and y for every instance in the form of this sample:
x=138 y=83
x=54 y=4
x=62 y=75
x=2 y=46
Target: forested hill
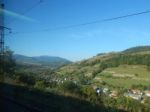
x=137 y=49
x=134 y=55
x=41 y=60
x=95 y=65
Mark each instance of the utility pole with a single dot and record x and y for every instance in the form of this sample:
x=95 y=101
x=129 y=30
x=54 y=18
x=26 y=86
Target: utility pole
x=2 y=42
x=2 y=29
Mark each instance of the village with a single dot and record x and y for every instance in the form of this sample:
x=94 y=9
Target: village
x=135 y=94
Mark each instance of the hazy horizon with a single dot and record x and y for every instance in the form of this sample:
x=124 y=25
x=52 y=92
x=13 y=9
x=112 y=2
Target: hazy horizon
x=80 y=59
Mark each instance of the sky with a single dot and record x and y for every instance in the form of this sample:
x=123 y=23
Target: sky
x=35 y=28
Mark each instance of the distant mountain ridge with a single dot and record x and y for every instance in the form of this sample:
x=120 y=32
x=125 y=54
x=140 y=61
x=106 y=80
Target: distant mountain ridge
x=41 y=60
x=58 y=61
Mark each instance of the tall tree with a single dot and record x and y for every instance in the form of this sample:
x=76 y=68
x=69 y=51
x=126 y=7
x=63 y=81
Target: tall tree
x=7 y=63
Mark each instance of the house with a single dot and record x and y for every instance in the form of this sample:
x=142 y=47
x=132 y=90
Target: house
x=105 y=90
x=113 y=93
x=147 y=93
x=135 y=91
x=134 y=94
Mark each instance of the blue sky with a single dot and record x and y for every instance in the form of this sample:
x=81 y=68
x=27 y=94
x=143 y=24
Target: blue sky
x=79 y=42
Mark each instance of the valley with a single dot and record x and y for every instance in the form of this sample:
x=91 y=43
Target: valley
x=115 y=81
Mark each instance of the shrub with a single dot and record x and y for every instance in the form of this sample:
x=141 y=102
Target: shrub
x=39 y=85
x=30 y=80
x=69 y=86
x=148 y=67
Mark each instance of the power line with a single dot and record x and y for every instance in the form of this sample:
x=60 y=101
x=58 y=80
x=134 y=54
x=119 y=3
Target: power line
x=129 y=15
x=28 y=10
x=87 y=23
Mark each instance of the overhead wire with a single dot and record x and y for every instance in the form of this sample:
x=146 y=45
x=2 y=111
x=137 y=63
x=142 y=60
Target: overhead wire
x=28 y=10
x=86 y=23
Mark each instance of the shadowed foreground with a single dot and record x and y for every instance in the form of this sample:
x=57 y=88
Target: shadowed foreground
x=20 y=99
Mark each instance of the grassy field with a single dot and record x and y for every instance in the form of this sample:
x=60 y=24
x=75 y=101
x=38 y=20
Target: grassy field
x=125 y=76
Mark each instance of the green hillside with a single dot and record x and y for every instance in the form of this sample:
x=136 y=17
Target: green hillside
x=137 y=49
x=74 y=87
x=124 y=76
x=134 y=61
